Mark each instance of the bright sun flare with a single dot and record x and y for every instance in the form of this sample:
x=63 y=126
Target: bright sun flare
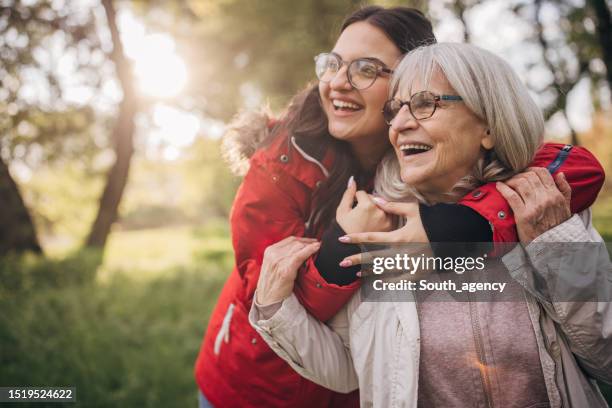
x=159 y=71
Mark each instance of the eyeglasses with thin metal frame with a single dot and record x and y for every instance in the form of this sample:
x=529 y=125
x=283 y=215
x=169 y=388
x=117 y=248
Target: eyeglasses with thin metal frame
x=422 y=105
x=361 y=73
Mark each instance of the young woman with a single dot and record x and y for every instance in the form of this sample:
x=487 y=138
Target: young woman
x=459 y=118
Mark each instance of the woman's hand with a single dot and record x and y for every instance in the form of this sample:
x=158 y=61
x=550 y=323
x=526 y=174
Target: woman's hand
x=412 y=231
x=279 y=268
x=365 y=216
x=539 y=202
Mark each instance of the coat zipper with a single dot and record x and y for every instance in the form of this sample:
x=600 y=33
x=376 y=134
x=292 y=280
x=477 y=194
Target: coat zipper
x=482 y=362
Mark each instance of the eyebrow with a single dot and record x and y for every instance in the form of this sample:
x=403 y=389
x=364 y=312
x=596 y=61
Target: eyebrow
x=374 y=59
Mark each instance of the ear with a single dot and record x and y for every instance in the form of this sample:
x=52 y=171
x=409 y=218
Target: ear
x=487 y=141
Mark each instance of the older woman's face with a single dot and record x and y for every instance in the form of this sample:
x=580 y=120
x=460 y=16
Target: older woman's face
x=435 y=153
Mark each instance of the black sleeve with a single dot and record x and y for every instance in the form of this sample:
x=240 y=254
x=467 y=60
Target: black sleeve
x=442 y=222
x=331 y=253
x=454 y=223
x=454 y=230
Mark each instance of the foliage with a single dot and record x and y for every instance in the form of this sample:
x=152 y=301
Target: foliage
x=193 y=189
x=121 y=343
x=127 y=338
x=63 y=196
x=33 y=110
x=25 y=274
x=602 y=216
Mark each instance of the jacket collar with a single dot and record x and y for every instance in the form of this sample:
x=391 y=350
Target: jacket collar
x=311 y=152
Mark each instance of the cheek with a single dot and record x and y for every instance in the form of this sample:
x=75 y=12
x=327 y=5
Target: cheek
x=458 y=149
x=376 y=96
x=324 y=91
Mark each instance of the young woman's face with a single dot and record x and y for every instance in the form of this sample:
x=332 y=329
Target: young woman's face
x=361 y=121
x=435 y=153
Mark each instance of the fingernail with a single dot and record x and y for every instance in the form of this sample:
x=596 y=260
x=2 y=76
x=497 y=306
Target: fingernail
x=351 y=181
x=358 y=274
x=379 y=200
x=344 y=238
x=345 y=263
x=562 y=175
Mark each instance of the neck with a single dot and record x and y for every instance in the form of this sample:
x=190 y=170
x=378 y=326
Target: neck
x=369 y=155
x=442 y=192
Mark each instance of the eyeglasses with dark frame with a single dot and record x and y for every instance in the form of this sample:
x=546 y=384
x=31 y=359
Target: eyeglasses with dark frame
x=361 y=73
x=422 y=105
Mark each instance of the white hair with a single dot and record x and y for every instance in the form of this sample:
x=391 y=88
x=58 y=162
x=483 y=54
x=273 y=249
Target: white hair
x=493 y=92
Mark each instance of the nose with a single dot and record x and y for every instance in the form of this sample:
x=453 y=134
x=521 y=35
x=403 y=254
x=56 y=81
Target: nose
x=340 y=81
x=404 y=120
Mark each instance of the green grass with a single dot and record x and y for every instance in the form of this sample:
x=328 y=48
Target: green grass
x=126 y=337
x=122 y=343
x=602 y=216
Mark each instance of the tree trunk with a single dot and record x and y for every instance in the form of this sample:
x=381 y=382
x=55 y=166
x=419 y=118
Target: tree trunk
x=17 y=232
x=123 y=136
x=460 y=8
x=604 y=33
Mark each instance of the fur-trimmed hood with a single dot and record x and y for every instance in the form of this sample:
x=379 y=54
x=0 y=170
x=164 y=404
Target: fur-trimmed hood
x=243 y=136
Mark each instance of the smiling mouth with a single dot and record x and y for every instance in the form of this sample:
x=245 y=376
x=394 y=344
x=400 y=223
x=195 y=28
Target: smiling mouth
x=344 y=106
x=412 y=149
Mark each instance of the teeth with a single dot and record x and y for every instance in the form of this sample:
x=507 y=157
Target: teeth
x=415 y=146
x=343 y=104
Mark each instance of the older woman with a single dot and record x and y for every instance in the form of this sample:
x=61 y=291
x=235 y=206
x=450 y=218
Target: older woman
x=459 y=117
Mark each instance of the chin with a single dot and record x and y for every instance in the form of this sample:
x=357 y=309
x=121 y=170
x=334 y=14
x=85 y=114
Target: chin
x=411 y=178
x=339 y=132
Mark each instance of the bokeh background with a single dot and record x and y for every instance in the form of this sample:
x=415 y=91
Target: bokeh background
x=114 y=198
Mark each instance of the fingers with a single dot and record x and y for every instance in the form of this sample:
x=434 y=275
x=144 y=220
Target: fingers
x=363 y=199
x=514 y=200
x=403 y=209
x=526 y=185
x=299 y=257
x=351 y=260
x=544 y=176
x=365 y=237
x=364 y=257
x=564 y=187
x=348 y=198
x=286 y=245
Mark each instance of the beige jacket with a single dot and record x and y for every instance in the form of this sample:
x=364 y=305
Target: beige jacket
x=374 y=346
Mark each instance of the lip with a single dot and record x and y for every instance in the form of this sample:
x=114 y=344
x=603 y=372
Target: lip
x=404 y=141
x=344 y=99
x=340 y=113
x=412 y=157
x=345 y=113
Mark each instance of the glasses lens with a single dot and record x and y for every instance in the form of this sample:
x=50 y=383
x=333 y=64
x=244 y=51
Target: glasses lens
x=423 y=105
x=391 y=109
x=326 y=66
x=363 y=73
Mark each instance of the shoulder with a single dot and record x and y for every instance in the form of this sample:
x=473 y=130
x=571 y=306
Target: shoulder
x=491 y=205
x=304 y=160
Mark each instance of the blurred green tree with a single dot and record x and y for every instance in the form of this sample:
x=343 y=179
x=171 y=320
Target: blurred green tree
x=36 y=123
x=581 y=49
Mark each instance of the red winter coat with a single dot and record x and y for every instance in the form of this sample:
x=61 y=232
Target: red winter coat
x=235 y=367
